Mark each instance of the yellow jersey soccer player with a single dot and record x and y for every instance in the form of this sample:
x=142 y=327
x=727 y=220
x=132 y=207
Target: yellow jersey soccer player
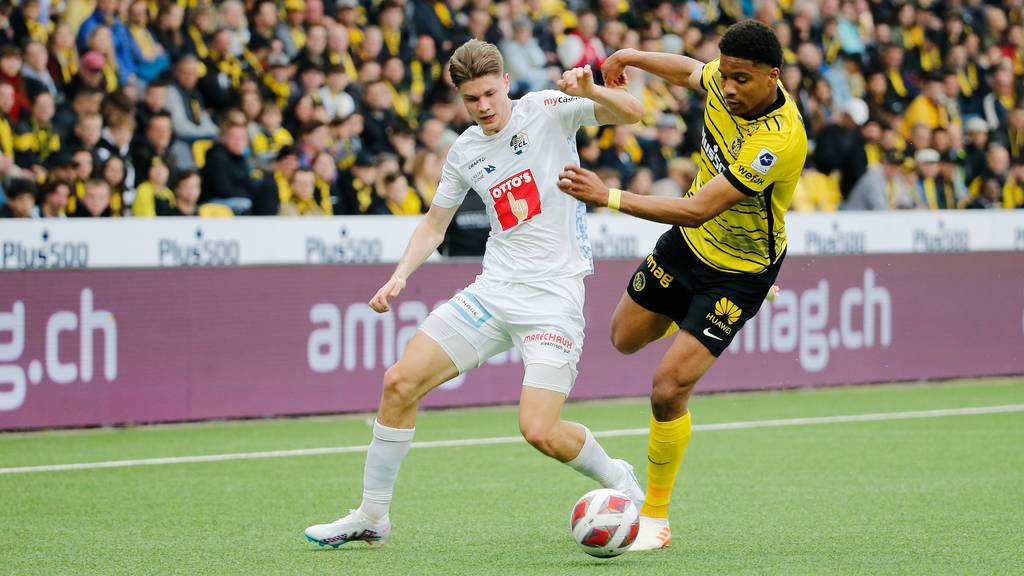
x=710 y=272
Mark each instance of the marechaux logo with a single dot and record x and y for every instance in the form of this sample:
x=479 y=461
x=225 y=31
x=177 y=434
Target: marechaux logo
x=837 y=241
x=46 y=254
x=804 y=322
x=348 y=248
x=199 y=250
x=356 y=338
x=941 y=239
x=60 y=364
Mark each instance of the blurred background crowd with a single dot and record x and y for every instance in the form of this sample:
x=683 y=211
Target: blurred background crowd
x=115 y=108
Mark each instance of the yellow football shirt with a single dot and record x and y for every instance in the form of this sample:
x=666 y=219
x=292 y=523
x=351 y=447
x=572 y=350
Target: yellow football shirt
x=763 y=158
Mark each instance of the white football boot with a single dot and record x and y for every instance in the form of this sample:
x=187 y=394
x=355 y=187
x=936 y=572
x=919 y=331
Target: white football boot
x=355 y=527
x=654 y=534
x=630 y=486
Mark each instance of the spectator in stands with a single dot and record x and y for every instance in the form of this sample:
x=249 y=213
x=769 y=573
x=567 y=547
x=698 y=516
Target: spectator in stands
x=21 y=199
x=35 y=138
x=226 y=175
x=840 y=147
x=524 y=60
x=95 y=201
x=667 y=145
x=302 y=201
x=185 y=201
x=934 y=191
x=189 y=117
x=582 y=47
x=54 y=194
x=989 y=196
x=154 y=188
x=36 y=69
x=401 y=199
x=149 y=59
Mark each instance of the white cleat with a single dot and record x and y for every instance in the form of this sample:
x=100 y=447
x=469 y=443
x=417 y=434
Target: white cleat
x=629 y=485
x=654 y=534
x=352 y=528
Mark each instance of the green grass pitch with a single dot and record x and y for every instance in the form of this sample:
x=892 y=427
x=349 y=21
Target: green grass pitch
x=940 y=495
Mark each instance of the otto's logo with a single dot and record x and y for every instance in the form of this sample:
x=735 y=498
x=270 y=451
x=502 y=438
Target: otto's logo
x=64 y=329
x=559 y=100
x=519 y=143
x=725 y=315
x=516 y=199
x=639 y=282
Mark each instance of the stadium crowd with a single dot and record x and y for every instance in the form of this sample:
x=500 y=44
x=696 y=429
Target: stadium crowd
x=313 y=107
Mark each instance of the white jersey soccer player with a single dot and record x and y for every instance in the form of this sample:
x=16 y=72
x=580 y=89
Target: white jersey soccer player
x=530 y=293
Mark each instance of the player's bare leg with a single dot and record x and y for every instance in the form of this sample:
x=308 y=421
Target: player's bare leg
x=540 y=421
x=634 y=326
x=675 y=378
x=423 y=366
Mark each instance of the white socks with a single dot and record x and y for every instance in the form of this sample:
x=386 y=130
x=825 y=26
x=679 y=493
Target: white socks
x=387 y=450
x=593 y=462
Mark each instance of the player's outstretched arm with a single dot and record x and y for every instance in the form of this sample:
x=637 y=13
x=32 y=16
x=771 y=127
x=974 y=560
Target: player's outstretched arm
x=425 y=239
x=612 y=105
x=674 y=68
x=711 y=200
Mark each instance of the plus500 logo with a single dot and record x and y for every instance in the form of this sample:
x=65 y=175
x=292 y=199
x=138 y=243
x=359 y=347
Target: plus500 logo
x=56 y=365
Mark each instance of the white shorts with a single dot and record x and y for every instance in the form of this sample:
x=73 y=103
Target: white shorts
x=543 y=320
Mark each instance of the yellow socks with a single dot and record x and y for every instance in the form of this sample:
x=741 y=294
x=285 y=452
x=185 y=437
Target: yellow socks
x=665 y=449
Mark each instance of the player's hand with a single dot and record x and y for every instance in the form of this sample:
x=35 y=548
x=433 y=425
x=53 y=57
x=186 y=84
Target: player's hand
x=578 y=82
x=613 y=69
x=584 y=185
x=520 y=209
x=389 y=290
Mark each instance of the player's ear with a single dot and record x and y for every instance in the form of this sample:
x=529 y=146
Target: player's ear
x=505 y=81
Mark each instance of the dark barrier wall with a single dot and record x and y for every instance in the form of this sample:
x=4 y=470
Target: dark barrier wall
x=106 y=347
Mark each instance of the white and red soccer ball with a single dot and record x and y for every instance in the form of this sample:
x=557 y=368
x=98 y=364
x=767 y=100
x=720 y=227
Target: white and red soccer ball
x=604 y=522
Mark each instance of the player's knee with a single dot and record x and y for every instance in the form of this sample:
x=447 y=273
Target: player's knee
x=670 y=391
x=538 y=435
x=399 y=388
x=624 y=343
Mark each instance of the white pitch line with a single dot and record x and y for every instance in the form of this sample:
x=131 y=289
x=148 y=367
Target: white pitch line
x=516 y=439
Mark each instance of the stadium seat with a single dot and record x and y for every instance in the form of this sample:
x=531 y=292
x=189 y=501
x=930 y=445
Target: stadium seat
x=199 y=150
x=214 y=210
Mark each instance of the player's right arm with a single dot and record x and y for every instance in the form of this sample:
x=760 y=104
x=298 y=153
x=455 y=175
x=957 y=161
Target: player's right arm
x=673 y=68
x=425 y=239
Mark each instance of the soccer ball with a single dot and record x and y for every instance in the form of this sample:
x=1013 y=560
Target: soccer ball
x=604 y=522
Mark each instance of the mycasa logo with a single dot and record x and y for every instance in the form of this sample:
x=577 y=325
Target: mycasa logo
x=58 y=364
x=516 y=199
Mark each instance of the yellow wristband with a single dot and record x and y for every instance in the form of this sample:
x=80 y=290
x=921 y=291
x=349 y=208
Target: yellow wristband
x=614 y=198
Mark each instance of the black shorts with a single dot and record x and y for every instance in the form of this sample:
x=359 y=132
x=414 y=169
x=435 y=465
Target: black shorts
x=710 y=304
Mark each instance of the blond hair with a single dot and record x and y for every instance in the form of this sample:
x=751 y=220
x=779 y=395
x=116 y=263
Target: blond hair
x=475 y=59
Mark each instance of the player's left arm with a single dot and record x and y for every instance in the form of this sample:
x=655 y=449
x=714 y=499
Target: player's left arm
x=611 y=105
x=715 y=197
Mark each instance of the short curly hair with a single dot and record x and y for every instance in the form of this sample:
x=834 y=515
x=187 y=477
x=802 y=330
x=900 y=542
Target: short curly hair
x=752 y=40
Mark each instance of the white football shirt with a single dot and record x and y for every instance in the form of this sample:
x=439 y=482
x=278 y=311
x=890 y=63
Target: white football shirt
x=537 y=231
